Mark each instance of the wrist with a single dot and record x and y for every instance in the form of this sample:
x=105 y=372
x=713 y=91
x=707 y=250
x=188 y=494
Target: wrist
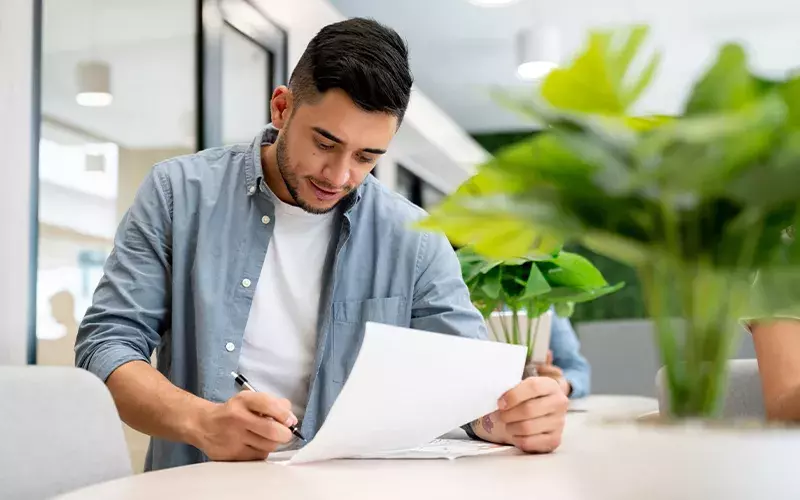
x=490 y=428
x=194 y=422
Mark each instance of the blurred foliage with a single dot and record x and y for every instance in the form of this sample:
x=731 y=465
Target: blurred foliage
x=698 y=204
x=627 y=303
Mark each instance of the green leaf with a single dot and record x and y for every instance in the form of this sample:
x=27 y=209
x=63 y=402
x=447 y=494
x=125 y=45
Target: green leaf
x=573 y=270
x=717 y=146
x=577 y=295
x=727 y=86
x=494 y=225
x=597 y=80
x=633 y=94
x=491 y=286
x=565 y=309
x=536 y=285
x=790 y=92
x=586 y=86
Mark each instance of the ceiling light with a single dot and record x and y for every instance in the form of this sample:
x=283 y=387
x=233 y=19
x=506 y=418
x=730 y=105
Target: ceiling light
x=94 y=84
x=537 y=53
x=492 y=3
x=535 y=70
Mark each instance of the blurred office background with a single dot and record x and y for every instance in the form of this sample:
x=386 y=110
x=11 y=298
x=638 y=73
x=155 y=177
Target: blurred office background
x=94 y=92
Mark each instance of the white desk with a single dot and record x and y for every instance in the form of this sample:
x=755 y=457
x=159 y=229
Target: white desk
x=550 y=477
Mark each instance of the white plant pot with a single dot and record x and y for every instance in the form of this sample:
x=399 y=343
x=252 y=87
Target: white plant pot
x=686 y=460
x=540 y=330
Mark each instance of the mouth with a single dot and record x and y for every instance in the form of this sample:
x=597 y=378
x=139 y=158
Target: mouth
x=323 y=194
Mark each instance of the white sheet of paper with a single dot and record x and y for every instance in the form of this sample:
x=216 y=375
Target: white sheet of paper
x=408 y=387
x=441 y=448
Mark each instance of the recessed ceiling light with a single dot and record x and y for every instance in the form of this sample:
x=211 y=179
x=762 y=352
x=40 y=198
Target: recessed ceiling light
x=537 y=53
x=492 y=3
x=535 y=70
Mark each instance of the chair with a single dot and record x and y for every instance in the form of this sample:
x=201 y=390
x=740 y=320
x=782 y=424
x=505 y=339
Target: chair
x=59 y=431
x=743 y=397
x=624 y=357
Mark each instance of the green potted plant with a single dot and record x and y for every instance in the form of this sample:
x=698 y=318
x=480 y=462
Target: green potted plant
x=515 y=295
x=699 y=204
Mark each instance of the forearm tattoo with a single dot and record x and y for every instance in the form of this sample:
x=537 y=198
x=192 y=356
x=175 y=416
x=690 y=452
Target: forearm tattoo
x=484 y=422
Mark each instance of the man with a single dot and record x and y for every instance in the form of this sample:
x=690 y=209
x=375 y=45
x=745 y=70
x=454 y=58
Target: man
x=269 y=259
x=565 y=363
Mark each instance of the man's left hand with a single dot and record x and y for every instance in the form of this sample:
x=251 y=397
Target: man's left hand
x=533 y=414
x=556 y=374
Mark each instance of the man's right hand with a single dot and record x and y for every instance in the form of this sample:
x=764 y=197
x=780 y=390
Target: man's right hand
x=249 y=426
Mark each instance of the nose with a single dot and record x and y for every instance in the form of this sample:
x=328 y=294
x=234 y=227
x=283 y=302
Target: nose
x=337 y=171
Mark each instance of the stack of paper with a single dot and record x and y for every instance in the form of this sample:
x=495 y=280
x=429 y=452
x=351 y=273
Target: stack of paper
x=442 y=448
x=408 y=387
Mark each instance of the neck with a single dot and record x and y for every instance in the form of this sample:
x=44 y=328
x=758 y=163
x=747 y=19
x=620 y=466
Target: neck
x=272 y=174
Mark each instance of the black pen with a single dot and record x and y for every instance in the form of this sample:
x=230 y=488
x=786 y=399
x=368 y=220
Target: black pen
x=244 y=384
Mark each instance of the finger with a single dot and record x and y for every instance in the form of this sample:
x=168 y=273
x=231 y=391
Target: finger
x=550 y=371
x=542 y=443
x=553 y=422
x=259 y=442
x=268 y=428
x=549 y=359
x=264 y=404
x=535 y=408
x=245 y=453
x=251 y=454
x=530 y=388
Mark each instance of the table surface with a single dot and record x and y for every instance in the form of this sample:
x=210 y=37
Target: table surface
x=465 y=478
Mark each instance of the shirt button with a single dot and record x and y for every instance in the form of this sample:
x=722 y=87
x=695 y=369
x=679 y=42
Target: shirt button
x=230 y=347
x=252 y=190
x=265 y=219
x=246 y=283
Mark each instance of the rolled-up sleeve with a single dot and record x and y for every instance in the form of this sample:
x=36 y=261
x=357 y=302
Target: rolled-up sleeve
x=130 y=307
x=567 y=356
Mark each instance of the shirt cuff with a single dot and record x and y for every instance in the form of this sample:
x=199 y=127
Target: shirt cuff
x=108 y=358
x=575 y=380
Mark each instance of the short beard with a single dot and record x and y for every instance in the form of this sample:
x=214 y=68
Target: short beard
x=290 y=179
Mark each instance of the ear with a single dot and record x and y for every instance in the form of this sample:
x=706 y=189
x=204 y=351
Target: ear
x=281 y=106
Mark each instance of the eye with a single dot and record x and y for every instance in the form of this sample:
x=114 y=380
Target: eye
x=364 y=159
x=324 y=147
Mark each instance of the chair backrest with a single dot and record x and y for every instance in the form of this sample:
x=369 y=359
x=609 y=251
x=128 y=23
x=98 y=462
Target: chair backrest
x=743 y=396
x=59 y=431
x=624 y=357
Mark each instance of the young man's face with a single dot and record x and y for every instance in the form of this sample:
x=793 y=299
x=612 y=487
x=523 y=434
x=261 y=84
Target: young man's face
x=326 y=148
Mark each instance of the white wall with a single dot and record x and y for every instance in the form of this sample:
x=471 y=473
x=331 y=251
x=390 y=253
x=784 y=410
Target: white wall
x=16 y=40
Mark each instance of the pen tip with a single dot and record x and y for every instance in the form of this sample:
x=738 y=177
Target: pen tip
x=234 y=375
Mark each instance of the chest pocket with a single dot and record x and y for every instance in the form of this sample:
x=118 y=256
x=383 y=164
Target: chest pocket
x=349 y=320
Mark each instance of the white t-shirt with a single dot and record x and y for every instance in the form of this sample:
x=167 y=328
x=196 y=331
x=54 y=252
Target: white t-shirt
x=280 y=338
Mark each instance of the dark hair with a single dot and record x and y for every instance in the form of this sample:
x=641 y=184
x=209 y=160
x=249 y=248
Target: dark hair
x=362 y=57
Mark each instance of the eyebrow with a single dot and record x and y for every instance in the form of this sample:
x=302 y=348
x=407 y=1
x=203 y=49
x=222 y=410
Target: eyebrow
x=324 y=133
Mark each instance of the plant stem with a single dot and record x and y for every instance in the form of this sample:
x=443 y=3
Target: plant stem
x=494 y=331
x=532 y=336
x=515 y=325
x=502 y=318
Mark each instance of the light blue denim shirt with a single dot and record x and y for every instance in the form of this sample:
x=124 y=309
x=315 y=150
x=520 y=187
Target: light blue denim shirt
x=175 y=281
x=567 y=356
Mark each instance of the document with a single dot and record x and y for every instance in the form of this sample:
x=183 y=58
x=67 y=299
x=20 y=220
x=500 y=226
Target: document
x=408 y=387
x=442 y=448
